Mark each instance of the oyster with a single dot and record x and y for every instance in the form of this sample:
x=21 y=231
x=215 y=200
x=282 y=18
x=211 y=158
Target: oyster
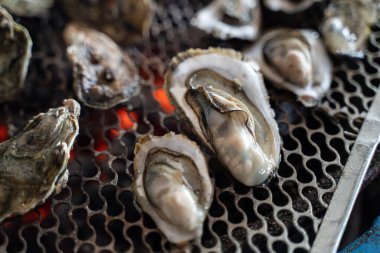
x=28 y=8
x=289 y=6
x=125 y=21
x=33 y=163
x=224 y=99
x=104 y=75
x=172 y=185
x=346 y=26
x=15 y=52
x=295 y=60
x=228 y=19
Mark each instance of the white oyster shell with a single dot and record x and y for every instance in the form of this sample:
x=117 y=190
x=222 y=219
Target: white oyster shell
x=210 y=19
x=240 y=126
x=311 y=64
x=289 y=6
x=172 y=185
x=28 y=8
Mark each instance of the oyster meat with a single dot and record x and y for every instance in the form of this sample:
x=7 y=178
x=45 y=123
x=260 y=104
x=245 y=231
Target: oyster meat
x=15 y=53
x=229 y=19
x=28 y=8
x=33 y=163
x=289 y=6
x=224 y=99
x=346 y=26
x=295 y=60
x=172 y=185
x=104 y=75
x=125 y=21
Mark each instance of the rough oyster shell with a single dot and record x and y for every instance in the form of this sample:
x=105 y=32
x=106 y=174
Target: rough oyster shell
x=172 y=185
x=228 y=19
x=33 y=163
x=295 y=60
x=346 y=26
x=28 y=8
x=125 y=21
x=225 y=101
x=289 y=6
x=104 y=75
x=15 y=53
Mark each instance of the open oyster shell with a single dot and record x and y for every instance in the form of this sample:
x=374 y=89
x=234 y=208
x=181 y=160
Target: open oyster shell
x=104 y=75
x=125 y=21
x=33 y=163
x=229 y=19
x=346 y=26
x=172 y=185
x=289 y=6
x=224 y=99
x=28 y=8
x=295 y=60
x=15 y=53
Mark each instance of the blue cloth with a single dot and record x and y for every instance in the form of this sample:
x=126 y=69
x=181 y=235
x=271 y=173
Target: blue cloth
x=369 y=242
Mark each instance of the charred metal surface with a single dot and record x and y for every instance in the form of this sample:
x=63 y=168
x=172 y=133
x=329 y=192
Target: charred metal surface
x=97 y=210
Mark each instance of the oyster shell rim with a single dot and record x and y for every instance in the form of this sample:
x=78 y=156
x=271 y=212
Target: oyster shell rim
x=289 y=7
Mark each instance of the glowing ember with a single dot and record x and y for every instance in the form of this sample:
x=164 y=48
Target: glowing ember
x=30 y=216
x=3 y=132
x=100 y=143
x=113 y=134
x=72 y=155
x=125 y=121
x=45 y=210
x=159 y=81
x=164 y=101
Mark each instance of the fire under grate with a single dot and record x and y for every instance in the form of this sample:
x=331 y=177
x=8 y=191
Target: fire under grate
x=97 y=211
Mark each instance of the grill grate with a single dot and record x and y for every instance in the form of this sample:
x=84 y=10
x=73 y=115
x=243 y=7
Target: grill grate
x=97 y=211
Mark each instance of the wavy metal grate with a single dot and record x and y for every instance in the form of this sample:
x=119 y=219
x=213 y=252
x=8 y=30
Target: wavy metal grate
x=97 y=210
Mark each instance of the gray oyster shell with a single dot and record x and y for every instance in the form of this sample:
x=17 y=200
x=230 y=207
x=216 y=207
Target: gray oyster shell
x=104 y=75
x=346 y=26
x=33 y=163
x=230 y=19
x=172 y=185
x=28 y=8
x=289 y=6
x=125 y=21
x=295 y=60
x=224 y=99
x=15 y=53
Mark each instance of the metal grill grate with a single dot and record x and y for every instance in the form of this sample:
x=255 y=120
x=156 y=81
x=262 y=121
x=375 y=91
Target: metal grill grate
x=97 y=211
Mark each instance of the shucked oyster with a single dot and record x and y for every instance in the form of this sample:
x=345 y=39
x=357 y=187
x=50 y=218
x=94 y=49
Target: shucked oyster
x=15 y=52
x=172 y=185
x=346 y=25
x=228 y=19
x=104 y=75
x=124 y=21
x=294 y=60
x=224 y=99
x=33 y=163
x=28 y=8
x=289 y=6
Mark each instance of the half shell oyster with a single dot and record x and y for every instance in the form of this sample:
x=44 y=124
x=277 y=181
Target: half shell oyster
x=295 y=60
x=104 y=75
x=15 y=53
x=346 y=25
x=224 y=99
x=33 y=163
x=28 y=8
x=172 y=185
x=229 y=19
x=289 y=6
x=125 y=21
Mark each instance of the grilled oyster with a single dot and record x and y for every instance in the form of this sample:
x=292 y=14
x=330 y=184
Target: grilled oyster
x=295 y=60
x=125 y=21
x=224 y=99
x=15 y=52
x=289 y=6
x=172 y=185
x=104 y=75
x=346 y=26
x=228 y=19
x=28 y=8
x=33 y=163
